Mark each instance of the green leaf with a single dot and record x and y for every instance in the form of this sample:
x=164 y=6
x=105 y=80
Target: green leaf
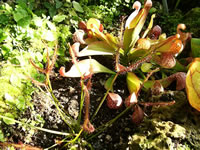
x=19 y=13
x=22 y=2
x=24 y=21
x=59 y=18
x=86 y=67
x=131 y=35
x=8 y=8
x=4 y=19
x=9 y=99
x=2 y=35
x=52 y=11
x=8 y=121
x=77 y=6
x=133 y=82
x=195 y=45
x=146 y=67
x=51 y=8
x=179 y=67
x=2 y=139
x=47 y=5
x=108 y=83
x=58 y=4
x=147 y=85
x=15 y=80
x=97 y=48
x=21 y=103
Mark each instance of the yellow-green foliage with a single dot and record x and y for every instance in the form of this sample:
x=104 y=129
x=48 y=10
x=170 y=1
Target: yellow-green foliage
x=15 y=93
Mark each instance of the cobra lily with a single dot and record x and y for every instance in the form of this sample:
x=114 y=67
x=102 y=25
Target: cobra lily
x=137 y=6
x=130 y=50
x=135 y=24
x=171 y=47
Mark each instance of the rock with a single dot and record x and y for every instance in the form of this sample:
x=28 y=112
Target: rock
x=159 y=135
x=108 y=138
x=169 y=127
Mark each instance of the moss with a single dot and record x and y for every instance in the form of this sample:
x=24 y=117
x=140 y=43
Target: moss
x=14 y=91
x=159 y=135
x=11 y=81
x=170 y=127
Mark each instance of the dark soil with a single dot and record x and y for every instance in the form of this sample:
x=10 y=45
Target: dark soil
x=113 y=137
x=68 y=92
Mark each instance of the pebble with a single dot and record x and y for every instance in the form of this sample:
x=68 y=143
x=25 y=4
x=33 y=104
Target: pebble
x=108 y=137
x=61 y=90
x=71 y=90
x=64 y=99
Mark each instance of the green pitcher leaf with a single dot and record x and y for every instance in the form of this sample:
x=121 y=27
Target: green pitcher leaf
x=127 y=39
x=195 y=45
x=133 y=82
x=112 y=40
x=97 y=48
x=134 y=22
x=86 y=67
x=193 y=84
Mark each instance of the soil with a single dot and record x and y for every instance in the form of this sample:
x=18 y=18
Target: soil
x=113 y=137
x=68 y=91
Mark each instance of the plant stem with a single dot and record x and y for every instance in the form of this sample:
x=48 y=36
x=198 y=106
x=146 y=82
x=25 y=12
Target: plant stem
x=165 y=6
x=38 y=128
x=72 y=141
x=177 y=3
x=48 y=82
x=81 y=102
x=54 y=145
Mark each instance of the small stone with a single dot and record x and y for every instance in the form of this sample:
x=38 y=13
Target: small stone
x=61 y=90
x=51 y=118
x=108 y=137
x=71 y=90
x=64 y=99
